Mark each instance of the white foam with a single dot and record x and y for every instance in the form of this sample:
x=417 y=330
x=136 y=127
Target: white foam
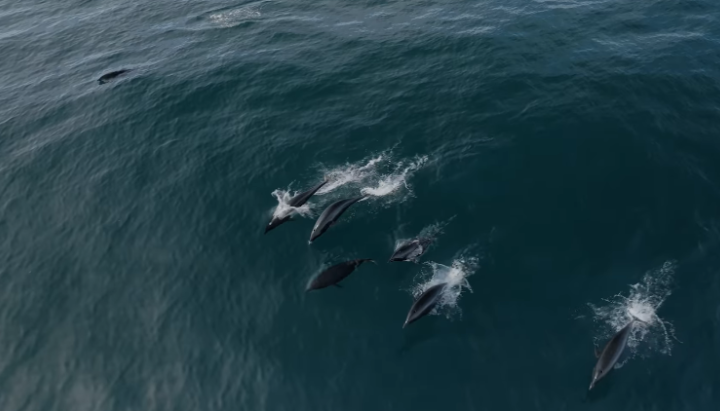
x=349 y=174
x=455 y=276
x=231 y=18
x=376 y=176
x=650 y=334
x=396 y=179
x=283 y=209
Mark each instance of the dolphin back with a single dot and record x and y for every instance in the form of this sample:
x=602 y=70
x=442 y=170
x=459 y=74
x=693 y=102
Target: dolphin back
x=611 y=353
x=336 y=273
x=337 y=209
x=425 y=303
x=405 y=251
x=111 y=75
x=303 y=197
x=330 y=215
x=616 y=346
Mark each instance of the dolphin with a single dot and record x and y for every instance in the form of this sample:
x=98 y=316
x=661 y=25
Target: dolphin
x=411 y=250
x=297 y=201
x=335 y=274
x=611 y=353
x=425 y=303
x=111 y=75
x=330 y=216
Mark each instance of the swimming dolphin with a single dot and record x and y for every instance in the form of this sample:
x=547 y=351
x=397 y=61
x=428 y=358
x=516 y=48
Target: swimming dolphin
x=330 y=216
x=611 y=353
x=297 y=201
x=111 y=75
x=425 y=303
x=411 y=250
x=335 y=274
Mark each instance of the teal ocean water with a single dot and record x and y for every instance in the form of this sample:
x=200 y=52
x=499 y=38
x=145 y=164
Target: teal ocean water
x=564 y=154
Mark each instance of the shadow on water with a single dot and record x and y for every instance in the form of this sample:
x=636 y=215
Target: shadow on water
x=431 y=328
x=601 y=390
x=419 y=333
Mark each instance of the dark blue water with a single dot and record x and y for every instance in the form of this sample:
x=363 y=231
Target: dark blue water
x=566 y=153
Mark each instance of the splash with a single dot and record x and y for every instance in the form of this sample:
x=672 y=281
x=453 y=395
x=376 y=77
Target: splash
x=284 y=209
x=376 y=176
x=650 y=334
x=455 y=276
x=234 y=17
x=351 y=174
x=395 y=180
x=367 y=176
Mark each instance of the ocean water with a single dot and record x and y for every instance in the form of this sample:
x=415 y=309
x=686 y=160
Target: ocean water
x=565 y=156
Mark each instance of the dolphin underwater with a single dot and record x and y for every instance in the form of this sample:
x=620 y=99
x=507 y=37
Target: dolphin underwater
x=330 y=216
x=425 y=303
x=411 y=250
x=111 y=75
x=297 y=201
x=335 y=274
x=611 y=353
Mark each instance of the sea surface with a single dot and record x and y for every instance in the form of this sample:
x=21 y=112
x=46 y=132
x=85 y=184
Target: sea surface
x=564 y=155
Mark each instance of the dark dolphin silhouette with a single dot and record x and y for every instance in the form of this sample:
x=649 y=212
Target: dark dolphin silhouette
x=425 y=303
x=111 y=75
x=330 y=216
x=297 y=201
x=335 y=274
x=411 y=250
x=611 y=353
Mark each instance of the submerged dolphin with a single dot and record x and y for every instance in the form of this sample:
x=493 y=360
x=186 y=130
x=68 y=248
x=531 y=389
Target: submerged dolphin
x=297 y=201
x=335 y=274
x=425 y=303
x=611 y=353
x=411 y=250
x=111 y=75
x=330 y=216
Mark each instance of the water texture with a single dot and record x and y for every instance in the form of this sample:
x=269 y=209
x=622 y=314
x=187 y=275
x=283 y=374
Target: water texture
x=564 y=154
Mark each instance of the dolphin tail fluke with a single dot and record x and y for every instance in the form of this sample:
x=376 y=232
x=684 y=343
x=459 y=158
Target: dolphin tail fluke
x=369 y=260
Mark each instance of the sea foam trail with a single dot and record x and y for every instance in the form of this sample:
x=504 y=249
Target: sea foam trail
x=376 y=176
x=396 y=179
x=455 y=276
x=650 y=334
x=352 y=174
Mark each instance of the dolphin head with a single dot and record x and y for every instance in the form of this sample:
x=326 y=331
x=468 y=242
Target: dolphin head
x=316 y=232
x=276 y=221
x=597 y=375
